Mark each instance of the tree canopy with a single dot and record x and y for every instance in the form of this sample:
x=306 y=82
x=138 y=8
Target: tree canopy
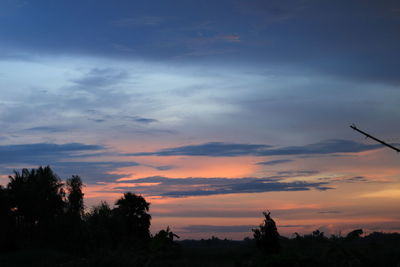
x=36 y=204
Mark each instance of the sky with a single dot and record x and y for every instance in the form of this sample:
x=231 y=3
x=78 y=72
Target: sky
x=214 y=111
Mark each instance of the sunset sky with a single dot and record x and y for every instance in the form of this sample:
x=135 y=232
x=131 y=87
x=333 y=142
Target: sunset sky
x=214 y=111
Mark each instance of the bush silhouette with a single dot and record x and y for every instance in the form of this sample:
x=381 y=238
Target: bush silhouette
x=37 y=195
x=267 y=236
x=163 y=240
x=75 y=204
x=36 y=206
x=7 y=220
x=131 y=213
x=102 y=227
x=354 y=234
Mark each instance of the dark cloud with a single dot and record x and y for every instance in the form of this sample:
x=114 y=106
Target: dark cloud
x=153 y=132
x=92 y=172
x=356 y=179
x=63 y=159
x=165 y=167
x=297 y=173
x=101 y=78
x=213 y=149
x=274 y=162
x=43 y=153
x=323 y=147
x=351 y=179
x=98 y=120
x=327 y=156
x=219 y=149
x=185 y=187
x=99 y=117
x=141 y=119
x=322 y=36
x=47 y=129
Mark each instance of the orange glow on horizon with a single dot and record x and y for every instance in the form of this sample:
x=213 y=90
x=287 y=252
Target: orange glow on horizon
x=347 y=205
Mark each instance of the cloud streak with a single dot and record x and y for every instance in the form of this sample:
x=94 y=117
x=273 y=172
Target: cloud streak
x=213 y=149
x=220 y=149
x=186 y=187
x=40 y=153
x=274 y=162
x=100 y=78
x=64 y=159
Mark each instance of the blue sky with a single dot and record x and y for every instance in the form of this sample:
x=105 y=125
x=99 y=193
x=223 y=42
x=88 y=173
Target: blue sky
x=137 y=95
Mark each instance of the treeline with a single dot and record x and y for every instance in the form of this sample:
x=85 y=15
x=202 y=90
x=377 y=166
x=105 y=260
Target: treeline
x=39 y=210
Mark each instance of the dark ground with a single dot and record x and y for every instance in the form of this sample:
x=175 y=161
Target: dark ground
x=376 y=249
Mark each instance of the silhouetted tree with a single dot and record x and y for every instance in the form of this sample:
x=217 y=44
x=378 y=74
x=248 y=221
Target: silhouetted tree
x=132 y=213
x=267 y=236
x=75 y=204
x=37 y=204
x=37 y=195
x=163 y=240
x=317 y=234
x=101 y=211
x=5 y=204
x=354 y=234
x=102 y=226
x=6 y=220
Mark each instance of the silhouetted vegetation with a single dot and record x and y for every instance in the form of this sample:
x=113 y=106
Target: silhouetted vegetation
x=37 y=210
x=43 y=223
x=267 y=236
x=75 y=205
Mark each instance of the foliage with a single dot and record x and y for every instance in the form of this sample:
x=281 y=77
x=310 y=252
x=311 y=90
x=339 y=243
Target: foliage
x=75 y=205
x=164 y=240
x=36 y=205
x=36 y=195
x=131 y=212
x=354 y=234
x=267 y=236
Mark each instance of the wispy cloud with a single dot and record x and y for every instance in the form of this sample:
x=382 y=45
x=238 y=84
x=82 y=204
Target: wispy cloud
x=213 y=149
x=165 y=167
x=141 y=119
x=47 y=129
x=100 y=117
x=185 y=187
x=43 y=152
x=220 y=149
x=92 y=171
x=297 y=173
x=274 y=162
x=101 y=77
x=66 y=159
x=350 y=179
